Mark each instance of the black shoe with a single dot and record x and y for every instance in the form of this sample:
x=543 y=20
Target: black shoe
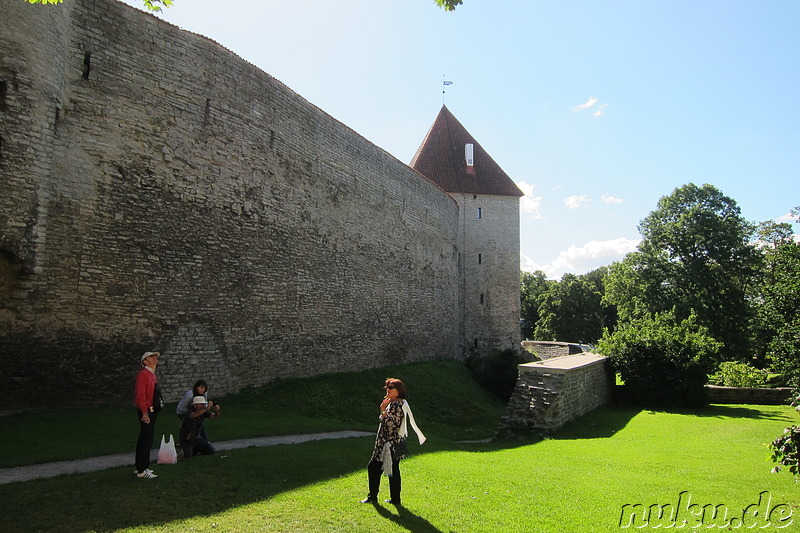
x=369 y=499
x=392 y=502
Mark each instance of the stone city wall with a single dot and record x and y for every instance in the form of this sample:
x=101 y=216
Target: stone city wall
x=161 y=193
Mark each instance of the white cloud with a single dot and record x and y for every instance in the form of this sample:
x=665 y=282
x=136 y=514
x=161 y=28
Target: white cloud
x=582 y=259
x=530 y=204
x=577 y=201
x=587 y=104
x=786 y=218
x=599 y=111
x=608 y=199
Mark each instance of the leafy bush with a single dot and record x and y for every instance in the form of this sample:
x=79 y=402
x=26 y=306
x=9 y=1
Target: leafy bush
x=736 y=374
x=663 y=363
x=496 y=371
x=785 y=450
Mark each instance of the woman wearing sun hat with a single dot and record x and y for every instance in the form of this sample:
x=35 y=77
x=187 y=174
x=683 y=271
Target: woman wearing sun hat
x=147 y=411
x=192 y=437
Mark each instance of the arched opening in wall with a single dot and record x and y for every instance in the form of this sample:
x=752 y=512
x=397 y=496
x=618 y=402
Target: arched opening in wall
x=10 y=273
x=191 y=353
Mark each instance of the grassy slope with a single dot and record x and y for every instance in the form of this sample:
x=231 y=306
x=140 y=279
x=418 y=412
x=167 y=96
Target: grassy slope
x=577 y=481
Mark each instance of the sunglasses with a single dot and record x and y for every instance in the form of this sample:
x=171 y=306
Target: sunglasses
x=390 y=387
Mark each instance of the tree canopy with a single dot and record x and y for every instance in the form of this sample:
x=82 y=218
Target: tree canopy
x=570 y=311
x=696 y=256
x=448 y=5
x=533 y=285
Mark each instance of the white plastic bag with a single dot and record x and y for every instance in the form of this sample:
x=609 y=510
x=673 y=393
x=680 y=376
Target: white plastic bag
x=167 y=455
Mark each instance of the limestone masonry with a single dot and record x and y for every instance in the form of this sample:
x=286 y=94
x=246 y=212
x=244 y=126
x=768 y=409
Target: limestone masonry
x=161 y=193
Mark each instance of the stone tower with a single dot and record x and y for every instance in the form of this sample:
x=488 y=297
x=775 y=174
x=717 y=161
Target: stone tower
x=488 y=234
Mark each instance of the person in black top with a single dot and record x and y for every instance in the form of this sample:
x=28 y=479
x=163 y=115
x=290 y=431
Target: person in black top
x=192 y=439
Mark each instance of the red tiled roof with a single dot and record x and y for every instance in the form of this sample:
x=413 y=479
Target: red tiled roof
x=440 y=158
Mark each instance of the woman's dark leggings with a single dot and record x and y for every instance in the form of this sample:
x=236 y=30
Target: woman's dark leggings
x=374 y=471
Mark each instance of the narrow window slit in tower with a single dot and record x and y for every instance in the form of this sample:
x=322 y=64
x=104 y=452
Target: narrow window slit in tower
x=87 y=64
x=3 y=94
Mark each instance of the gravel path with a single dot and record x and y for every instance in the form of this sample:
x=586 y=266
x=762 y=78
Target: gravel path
x=25 y=473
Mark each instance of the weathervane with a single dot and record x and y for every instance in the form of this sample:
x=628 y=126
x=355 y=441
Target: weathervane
x=444 y=83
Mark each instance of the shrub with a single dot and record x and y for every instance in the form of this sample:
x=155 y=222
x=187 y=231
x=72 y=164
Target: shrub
x=496 y=371
x=663 y=363
x=736 y=374
x=785 y=450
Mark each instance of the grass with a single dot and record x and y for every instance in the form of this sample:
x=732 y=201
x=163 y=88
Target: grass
x=578 y=480
x=440 y=392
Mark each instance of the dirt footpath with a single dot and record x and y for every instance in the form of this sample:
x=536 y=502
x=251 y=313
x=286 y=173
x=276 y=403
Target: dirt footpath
x=25 y=473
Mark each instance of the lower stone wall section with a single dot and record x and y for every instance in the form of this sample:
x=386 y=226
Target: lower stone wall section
x=747 y=395
x=551 y=349
x=551 y=393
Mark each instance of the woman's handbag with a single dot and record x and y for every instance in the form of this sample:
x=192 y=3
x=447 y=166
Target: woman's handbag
x=399 y=450
x=167 y=455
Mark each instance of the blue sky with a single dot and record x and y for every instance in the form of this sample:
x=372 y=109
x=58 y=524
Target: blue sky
x=595 y=109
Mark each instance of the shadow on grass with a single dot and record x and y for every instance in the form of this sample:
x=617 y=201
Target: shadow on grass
x=725 y=411
x=735 y=411
x=602 y=423
x=407 y=519
x=115 y=499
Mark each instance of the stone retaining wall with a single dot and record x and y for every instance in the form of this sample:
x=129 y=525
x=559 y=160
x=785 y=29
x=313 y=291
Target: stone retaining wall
x=756 y=396
x=551 y=393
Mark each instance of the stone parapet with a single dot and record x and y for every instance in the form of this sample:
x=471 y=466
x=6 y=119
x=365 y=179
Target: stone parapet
x=551 y=349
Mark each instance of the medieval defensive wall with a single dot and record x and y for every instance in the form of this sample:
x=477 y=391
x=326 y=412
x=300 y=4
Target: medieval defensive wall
x=161 y=193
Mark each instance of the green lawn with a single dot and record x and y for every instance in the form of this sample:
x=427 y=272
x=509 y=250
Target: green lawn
x=578 y=480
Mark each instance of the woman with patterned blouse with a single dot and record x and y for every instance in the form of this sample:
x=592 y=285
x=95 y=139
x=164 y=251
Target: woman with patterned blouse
x=390 y=443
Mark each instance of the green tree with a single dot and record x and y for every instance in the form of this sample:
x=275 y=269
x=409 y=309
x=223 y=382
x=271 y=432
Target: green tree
x=448 y=5
x=570 y=311
x=152 y=5
x=771 y=236
x=781 y=312
x=662 y=360
x=597 y=278
x=697 y=257
x=532 y=286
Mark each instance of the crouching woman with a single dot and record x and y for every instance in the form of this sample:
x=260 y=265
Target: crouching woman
x=193 y=440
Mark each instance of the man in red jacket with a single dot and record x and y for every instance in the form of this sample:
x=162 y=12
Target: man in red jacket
x=144 y=392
